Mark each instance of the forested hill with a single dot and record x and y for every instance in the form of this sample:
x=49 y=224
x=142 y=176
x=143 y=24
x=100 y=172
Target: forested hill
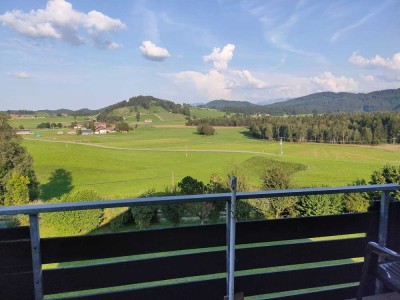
x=325 y=102
x=328 y=102
x=139 y=101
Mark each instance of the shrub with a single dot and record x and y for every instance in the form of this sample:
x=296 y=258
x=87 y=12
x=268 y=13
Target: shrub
x=117 y=217
x=355 y=202
x=205 y=130
x=79 y=221
x=388 y=174
x=275 y=179
x=244 y=210
x=316 y=205
x=142 y=215
x=173 y=213
x=274 y=208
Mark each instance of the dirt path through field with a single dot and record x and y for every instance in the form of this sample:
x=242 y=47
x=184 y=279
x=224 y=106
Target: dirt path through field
x=155 y=149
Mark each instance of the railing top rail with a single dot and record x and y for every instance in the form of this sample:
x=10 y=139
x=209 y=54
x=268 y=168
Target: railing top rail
x=320 y=191
x=58 y=207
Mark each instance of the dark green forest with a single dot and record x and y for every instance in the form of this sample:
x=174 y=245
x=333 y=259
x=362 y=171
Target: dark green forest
x=359 y=128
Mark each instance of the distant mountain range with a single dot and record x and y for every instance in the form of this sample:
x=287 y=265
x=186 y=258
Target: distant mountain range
x=325 y=102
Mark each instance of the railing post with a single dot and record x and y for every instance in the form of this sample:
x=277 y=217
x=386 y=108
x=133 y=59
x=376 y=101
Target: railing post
x=231 y=222
x=228 y=244
x=36 y=256
x=383 y=229
x=383 y=218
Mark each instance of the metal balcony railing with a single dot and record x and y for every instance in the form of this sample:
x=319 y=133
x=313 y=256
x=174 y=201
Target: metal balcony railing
x=59 y=249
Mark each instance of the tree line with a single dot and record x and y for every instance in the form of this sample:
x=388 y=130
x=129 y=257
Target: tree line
x=359 y=128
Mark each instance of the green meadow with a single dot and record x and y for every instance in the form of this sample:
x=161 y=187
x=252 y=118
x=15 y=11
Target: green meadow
x=127 y=164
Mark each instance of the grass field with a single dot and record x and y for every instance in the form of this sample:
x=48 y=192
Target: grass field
x=205 y=113
x=127 y=164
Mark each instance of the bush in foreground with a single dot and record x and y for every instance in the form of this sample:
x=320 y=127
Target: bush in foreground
x=79 y=221
x=143 y=215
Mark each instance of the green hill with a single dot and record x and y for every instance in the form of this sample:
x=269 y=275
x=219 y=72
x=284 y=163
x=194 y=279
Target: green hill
x=328 y=102
x=325 y=102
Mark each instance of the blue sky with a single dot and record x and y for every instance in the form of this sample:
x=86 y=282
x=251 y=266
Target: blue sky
x=93 y=53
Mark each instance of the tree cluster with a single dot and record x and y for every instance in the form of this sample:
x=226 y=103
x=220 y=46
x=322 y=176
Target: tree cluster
x=366 y=128
x=18 y=182
x=359 y=128
x=49 y=125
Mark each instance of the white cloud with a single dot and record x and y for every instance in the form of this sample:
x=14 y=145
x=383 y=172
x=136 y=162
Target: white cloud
x=59 y=21
x=386 y=69
x=329 y=82
x=212 y=85
x=377 y=61
x=368 y=78
x=114 y=45
x=220 y=82
x=21 y=75
x=100 y=22
x=153 y=52
x=246 y=79
x=220 y=58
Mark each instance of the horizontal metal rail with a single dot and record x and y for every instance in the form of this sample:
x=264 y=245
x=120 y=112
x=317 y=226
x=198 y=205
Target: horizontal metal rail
x=223 y=197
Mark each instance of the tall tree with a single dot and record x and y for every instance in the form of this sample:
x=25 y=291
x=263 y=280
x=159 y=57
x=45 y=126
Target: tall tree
x=15 y=158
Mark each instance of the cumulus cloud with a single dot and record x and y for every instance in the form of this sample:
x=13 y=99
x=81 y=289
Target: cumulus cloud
x=220 y=82
x=21 y=75
x=153 y=52
x=376 y=61
x=246 y=79
x=60 y=21
x=329 y=82
x=220 y=58
x=386 y=69
x=211 y=85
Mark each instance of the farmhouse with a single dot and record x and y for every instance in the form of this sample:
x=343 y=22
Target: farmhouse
x=24 y=131
x=86 y=131
x=103 y=128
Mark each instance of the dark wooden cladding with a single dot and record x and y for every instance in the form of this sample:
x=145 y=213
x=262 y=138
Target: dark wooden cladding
x=131 y=243
x=198 y=290
x=129 y=272
x=393 y=241
x=251 y=285
x=298 y=228
x=16 y=278
x=16 y=256
x=14 y=233
x=17 y=286
x=170 y=239
x=297 y=279
x=335 y=294
x=281 y=255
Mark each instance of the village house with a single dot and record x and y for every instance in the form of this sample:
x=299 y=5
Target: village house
x=24 y=131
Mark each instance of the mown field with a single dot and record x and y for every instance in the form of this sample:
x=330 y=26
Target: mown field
x=127 y=164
